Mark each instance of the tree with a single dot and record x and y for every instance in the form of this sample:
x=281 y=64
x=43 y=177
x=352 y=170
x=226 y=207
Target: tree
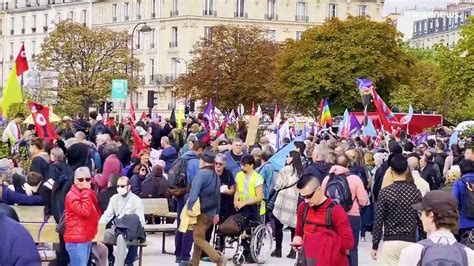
x=327 y=60
x=457 y=78
x=87 y=61
x=235 y=66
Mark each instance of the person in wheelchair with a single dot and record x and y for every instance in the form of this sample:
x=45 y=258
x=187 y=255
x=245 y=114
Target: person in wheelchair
x=248 y=199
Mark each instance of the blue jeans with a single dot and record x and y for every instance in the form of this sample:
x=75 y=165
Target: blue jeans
x=183 y=241
x=355 y=225
x=79 y=253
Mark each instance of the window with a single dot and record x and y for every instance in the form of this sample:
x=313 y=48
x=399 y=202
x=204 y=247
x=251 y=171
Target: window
x=271 y=9
x=174 y=37
x=33 y=49
x=298 y=35
x=11 y=50
x=23 y=24
x=12 y=25
x=152 y=39
x=84 y=15
x=270 y=34
x=139 y=10
x=114 y=12
x=34 y=21
x=174 y=11
x=302 y=11
x=208 y=7
x=70 y=16
x=153 y=8
x=138 y=40
x=125 y=5
x=240 y=9
x=174 y=67
x=208 y=34
x=46 y=20
x=152 y=70
x=362 y=10
x=332 y=11
x=58 y=15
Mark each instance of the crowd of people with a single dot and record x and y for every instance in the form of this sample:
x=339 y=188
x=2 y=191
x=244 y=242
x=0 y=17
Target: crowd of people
x=416 y=200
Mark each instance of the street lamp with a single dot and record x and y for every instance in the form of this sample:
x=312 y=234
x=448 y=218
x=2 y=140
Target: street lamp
x=144 y=29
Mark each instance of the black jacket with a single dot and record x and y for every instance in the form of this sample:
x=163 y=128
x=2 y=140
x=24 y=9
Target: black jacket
x=130 y=227
x=429 y=175
x=378 y=179
x=104 y=197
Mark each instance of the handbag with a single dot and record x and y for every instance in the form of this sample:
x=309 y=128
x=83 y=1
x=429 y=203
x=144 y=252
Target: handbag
x=273 y=196
x=61 y=226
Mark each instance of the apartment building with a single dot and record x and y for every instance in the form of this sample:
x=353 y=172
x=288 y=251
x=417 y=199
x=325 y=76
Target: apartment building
x=176 y=25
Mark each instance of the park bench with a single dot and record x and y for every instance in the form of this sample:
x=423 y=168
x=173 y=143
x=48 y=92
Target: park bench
x=159 y=208
x=32 y=218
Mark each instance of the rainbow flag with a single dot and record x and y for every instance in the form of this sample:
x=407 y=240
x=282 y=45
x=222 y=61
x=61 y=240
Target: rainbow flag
x=325 y=113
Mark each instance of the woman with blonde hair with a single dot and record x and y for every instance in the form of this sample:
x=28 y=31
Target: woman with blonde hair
x=452 y=175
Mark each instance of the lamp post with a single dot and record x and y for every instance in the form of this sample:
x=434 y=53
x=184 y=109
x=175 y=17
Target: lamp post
x=145 y=29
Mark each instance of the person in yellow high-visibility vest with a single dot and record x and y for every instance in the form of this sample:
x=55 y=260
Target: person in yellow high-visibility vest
x=248 y=198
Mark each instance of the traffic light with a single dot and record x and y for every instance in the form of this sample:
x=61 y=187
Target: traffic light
x=102 y=108
x=110 y=107
x=151 y=99
x=192 y=106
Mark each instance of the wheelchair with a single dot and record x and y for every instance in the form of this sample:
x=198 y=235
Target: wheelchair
x=254 y=233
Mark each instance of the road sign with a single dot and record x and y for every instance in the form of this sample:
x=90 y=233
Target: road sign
x=119 y=89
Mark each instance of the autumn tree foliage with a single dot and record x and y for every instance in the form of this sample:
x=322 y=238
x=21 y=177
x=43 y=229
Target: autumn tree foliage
x=87 y=61
x=236 y=65
x=327 y=60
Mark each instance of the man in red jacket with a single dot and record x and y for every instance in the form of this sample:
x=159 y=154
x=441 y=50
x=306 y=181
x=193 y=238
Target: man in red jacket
x=323 y=230
x=82 y=215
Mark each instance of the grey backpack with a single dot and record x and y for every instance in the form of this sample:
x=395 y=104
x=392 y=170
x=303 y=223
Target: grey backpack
x=442 y=253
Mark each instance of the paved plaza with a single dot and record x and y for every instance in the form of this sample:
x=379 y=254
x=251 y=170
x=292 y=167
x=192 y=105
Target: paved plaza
x=153 y=256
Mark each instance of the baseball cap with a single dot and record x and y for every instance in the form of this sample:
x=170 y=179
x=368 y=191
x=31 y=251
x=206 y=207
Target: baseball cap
x=4 y=165
x=438 y=201
x=208 y=157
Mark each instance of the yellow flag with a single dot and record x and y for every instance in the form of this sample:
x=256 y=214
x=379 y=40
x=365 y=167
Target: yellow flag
x=12 y=92
x=180 y=118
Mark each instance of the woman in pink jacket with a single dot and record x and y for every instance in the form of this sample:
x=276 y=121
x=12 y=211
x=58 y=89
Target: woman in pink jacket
x=112 y=165
x=359 y=198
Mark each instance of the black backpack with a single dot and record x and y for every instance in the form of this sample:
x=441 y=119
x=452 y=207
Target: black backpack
x=468 y=200
x=150 y=187
x=177 y=179
x=339 y=191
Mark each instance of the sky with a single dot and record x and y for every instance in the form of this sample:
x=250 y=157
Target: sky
x=390 y=5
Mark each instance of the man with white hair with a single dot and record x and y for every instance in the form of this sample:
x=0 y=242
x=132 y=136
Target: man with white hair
x=319 y=168
x=121 y=204
x=420 y=183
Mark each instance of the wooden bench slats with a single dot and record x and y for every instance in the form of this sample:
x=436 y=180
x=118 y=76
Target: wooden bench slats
x=31 y=214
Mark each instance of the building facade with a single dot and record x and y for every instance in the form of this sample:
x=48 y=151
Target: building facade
x=442 y=28
x=176 y=26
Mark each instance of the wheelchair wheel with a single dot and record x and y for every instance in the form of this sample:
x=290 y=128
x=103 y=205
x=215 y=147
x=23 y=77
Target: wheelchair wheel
x=238 y=259
x=261 y=244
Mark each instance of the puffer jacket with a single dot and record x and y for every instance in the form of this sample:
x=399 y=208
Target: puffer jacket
x=82 y=215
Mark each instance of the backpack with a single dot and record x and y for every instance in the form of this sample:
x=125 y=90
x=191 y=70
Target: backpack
x=150 y=187
x=468 y=200
x=328 y=251
x=337 y=189
x=177 y=179
x=438 y=254
x=95 y=158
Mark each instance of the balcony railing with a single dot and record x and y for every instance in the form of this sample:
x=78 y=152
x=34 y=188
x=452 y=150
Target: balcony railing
x=33 y=29
x=173 y=44
x=174 y=13
x=241 y=15
x=164 y=79
x=153 y=15
x=139 y=16
x=211 y=13
x=45 y=28
x=302 y=18
x=271 y=16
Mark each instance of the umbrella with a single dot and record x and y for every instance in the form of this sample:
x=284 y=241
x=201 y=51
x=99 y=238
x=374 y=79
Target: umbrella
x=464 y=125
x=53 y=118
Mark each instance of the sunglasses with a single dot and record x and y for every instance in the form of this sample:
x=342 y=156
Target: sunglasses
x=219 y=164
x=82 y=179
x=122 y=186
x=309 y=195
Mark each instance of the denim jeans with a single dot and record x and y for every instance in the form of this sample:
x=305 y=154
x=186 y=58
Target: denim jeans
x=79 y=253
x=353 y=253
x=183 y=241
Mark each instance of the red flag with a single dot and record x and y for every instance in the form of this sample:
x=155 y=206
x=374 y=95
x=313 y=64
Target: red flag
x=321 y=109
x=383 y=111
x=137 y=141
x=43 y=127
x=21 y=62
x=143 y=116
x=132 y=110
x=253 y=109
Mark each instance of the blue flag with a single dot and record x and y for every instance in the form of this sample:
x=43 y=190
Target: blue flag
x=422 y=138
x=453 y=139
x=369 y=130
x=278 y=160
